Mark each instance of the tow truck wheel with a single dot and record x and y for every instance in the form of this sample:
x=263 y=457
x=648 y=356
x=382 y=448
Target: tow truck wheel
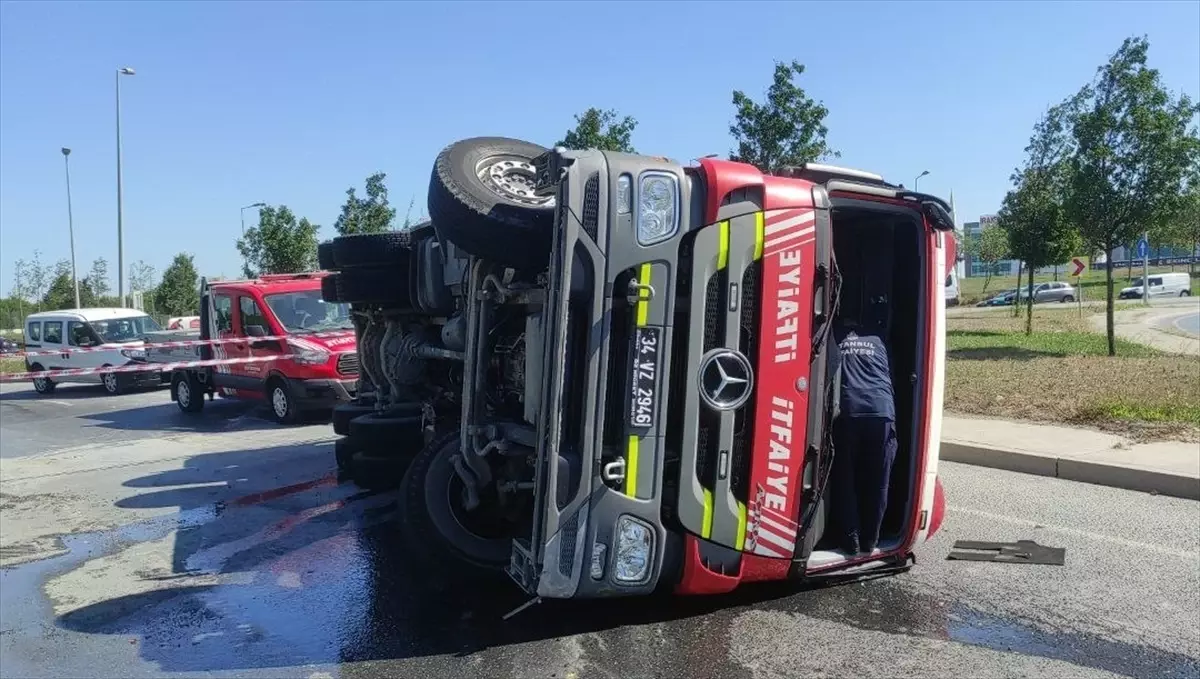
x=187 y=394
x=383 y=286
x=481 y=199
x=435 y=522
x=325 y=256
x=282 y=402
x=343 y=413
x=398 y=432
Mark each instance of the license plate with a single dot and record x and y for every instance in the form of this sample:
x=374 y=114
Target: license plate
x=643 y=404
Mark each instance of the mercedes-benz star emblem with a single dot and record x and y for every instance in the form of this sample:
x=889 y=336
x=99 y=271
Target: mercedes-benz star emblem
x=726 y=379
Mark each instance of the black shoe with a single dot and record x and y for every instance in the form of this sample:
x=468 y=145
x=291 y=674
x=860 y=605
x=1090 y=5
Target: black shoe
x=849 y=545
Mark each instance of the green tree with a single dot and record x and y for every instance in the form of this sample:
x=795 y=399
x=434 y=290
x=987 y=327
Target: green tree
x=1033 y=215
x=279 y=244
x=1180 y=228
x=1135 y=144
x=603 y=130
x=60 y=293
x=179 y=292
x=97 y=278
x=372 y=214
x=786 y=129
x=989 y=247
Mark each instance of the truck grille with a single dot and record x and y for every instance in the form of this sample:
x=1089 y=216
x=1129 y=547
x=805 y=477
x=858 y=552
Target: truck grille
x=591 y=205
x=347 y=364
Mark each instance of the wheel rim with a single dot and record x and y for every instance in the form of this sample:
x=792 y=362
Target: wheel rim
x=110 y=382
x=279 y=402
x=512 y=178
x=183 y=393
x=39 y=383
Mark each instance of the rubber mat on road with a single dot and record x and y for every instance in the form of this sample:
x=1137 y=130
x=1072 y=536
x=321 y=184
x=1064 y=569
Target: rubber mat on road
x=1021 y=551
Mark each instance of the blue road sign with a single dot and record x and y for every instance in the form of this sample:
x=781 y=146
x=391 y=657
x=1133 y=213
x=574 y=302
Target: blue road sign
x=1143 y=248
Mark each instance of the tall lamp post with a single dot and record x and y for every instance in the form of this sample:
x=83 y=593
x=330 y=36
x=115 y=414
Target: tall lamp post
x=120 y=213
x=919 y=179
x=71 y=225
x=244 y=215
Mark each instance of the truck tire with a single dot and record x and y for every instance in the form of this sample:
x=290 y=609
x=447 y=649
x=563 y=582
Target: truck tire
x=439 y=531
x=385 y=287
x=371 y=471
x=325 y=256
x=187 y=393
x=378 y=249
x=345 y=412
x=393 y=435
x=329 y=290
x=481 y=199
x=344 y=450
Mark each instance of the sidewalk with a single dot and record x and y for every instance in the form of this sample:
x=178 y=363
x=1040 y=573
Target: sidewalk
x=1168 y=467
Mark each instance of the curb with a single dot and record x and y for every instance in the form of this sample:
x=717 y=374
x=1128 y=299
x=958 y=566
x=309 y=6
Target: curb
x=1071 y=469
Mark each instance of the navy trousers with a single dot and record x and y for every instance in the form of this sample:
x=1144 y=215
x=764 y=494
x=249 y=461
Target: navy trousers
x=864 y=449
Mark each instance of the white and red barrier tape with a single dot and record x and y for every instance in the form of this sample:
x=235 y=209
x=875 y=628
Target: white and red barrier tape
x=178 y=344
x=138 y=367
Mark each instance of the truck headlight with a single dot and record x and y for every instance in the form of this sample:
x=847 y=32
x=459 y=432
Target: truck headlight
x=635 y=547
x=658 y=207
x=308 y=355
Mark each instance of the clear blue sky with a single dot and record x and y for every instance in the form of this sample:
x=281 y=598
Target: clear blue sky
x=291 y=103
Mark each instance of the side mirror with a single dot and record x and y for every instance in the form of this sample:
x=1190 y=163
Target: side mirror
x=950 y=246
x=256 y=331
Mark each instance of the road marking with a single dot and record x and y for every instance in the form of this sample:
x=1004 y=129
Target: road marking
x=59 y=403
x=1190 y=556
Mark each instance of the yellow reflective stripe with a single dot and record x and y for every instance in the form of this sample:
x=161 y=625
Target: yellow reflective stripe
x=722 y=245
x=758 y=235
x=631 y=466
x=706 y=528
x=643 y=305
x=741 y=530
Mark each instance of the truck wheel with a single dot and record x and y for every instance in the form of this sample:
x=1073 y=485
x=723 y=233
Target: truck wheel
x=343 y=413
x=282 y=402
x=370 y=471
x=187 y=394
x=435 y=523
x=114 y=383
x=42 y=385
x=481 y=199
x=378 y=249
x=329 y=289
x=344 y=450
x=397 y=435
x=325 y=259
x=384 y=286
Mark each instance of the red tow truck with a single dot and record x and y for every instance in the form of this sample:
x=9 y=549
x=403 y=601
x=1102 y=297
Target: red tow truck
x=279 y=315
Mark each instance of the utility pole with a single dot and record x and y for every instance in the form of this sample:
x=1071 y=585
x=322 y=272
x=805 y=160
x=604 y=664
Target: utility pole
x=919 y=179
x=71 y=226
x=120 y=210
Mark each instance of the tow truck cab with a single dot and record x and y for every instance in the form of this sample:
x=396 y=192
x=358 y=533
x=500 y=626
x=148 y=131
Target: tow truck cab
x=687 y=385
x=306 y=346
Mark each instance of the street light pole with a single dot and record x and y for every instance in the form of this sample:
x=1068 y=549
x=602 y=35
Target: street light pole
x=120 y=206
x=919 y=179
x=244 y=215
x=71 y=226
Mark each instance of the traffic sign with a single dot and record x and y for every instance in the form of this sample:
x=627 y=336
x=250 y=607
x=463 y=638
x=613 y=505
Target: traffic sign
x=1143 y=248
x=1079 y=265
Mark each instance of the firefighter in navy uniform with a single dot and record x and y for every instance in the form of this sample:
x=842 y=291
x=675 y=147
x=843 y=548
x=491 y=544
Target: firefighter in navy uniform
x=864 y=436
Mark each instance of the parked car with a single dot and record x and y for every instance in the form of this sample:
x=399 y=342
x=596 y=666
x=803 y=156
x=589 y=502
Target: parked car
x=952 y=290
x=8 y=346
x=1161 y=285
x=1051 y=291
x=121 y=331
x=1003 y=298
x=314 y=371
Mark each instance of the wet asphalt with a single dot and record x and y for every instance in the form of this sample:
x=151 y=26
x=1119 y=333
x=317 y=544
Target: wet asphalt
x=225 y=546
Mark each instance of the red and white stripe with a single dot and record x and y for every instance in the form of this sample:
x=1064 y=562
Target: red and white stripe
x=138 y=367
x=177 y=344
x=768 y=532
x=785 y=229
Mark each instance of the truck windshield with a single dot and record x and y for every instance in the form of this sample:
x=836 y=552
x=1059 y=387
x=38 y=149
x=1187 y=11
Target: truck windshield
x=125 y=329
x=305 y=311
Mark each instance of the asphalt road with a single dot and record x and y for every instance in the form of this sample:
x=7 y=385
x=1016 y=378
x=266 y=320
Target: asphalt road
x=1189 y=324
x=235 y=552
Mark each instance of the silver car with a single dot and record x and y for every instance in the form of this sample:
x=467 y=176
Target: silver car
x=1054 y=291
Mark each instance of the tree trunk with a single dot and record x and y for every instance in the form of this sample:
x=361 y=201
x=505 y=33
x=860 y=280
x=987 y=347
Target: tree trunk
x=1017 y=299
x=1029 y=305
x=1108 y=304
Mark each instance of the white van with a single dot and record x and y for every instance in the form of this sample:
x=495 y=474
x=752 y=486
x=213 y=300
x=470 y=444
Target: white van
x=952 y=292
x=1161 y=285
x=81 y=328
